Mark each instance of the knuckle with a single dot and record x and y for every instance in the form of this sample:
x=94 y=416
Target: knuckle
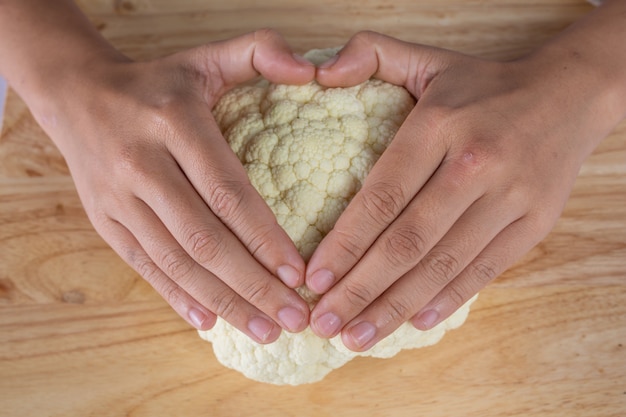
x=466 y=166
x=484 y=271
x=175 y=263
x=226 y=199
x=128 y=160
x=257 y=292
x=357 y=294
x=349 y=244
x=517 y=196
x=260 y=239
x=173 y=295
x=405 y=246
x=457 y=295
x=103 y=223
x=206 y=246
x=366 y=36
x=164 y=114
x=141 y=162
x=266 y=34
x=397 y=310
x=223 y=303
x=383 y=202
x=442 y=267
x=146 y=268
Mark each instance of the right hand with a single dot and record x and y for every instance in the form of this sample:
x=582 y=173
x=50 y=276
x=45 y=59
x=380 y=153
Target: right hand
x=163 y=188
x=477 y=174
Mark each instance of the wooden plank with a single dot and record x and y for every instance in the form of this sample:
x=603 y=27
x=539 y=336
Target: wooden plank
x=25 y=150
x=519 y=26
x=533 y=351
x=166 y=7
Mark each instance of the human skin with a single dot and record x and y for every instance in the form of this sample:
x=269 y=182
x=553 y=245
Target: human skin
x=477 y=175
x=155 y=176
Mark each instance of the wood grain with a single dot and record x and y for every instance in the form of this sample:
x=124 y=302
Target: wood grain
x=82 y=335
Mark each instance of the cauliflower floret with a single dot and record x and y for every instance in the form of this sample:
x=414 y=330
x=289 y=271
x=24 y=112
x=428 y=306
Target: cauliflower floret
x=307 y=150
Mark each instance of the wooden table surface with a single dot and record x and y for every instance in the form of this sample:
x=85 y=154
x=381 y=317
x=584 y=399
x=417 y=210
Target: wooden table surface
x=82 y=335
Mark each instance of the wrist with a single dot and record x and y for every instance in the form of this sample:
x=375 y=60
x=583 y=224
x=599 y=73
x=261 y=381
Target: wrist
x=68 y=104
x=59 y=82
x=581 y=69
x=47 y=47
x=593 y=48
x=598 y=82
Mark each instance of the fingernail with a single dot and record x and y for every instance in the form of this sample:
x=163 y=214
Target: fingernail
x=321 y=281
x=261 y=328
x=328 y=324
x=328 y=63
x=429 y=318
x=289 y=275
x=291 y=318
x=197 y=317
x=302 y=60
x=362 y=333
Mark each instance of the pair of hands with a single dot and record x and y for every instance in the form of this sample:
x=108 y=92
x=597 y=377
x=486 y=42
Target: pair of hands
x=476 y=176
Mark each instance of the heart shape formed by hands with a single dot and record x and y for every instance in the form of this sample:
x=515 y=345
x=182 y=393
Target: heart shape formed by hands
x=307 y=150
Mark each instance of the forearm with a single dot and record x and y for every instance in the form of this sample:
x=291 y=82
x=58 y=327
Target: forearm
x=596 y=45
x=43 y=43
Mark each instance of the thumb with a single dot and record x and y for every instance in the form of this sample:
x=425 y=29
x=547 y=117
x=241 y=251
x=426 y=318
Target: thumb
x=369 y=54
x=263 y=52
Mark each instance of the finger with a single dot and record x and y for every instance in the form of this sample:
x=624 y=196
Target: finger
x=125 y=244
x=418 y=148
x=273 y=58
x=369 y=54
x=510 y=244
x=170 y=258
x=202 y=243
x=431 y=214
x=218 y=177
x=263 y=52
x=474 y=231
x=386 y=192
x=215 y=171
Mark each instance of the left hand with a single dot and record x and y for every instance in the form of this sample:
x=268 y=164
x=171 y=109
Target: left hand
x=476 y=176
x=165 y=190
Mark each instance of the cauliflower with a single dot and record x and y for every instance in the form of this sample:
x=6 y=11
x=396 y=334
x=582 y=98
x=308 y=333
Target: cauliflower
x=307 y=150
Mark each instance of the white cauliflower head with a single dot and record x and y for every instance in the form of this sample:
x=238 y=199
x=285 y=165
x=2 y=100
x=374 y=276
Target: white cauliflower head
x=307 y=150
